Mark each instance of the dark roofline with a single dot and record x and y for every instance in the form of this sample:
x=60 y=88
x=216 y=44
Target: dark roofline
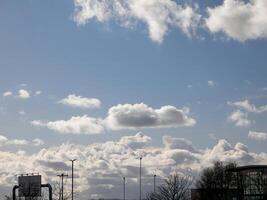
x=248 y=167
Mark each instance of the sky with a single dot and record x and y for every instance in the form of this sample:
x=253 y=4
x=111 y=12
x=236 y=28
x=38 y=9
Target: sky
x=180 y=83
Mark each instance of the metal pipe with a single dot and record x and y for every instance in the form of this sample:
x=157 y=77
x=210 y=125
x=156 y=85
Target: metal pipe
x=50 y=190
x=14 y=192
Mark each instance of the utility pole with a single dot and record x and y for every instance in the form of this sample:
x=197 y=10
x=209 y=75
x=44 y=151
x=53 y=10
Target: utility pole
x=155 y=183
x=140 y=198
x=62 y=184
x=123 y=188
x=72 y=166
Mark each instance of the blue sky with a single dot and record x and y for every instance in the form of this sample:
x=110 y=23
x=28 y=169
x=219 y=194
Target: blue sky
x=44 y=47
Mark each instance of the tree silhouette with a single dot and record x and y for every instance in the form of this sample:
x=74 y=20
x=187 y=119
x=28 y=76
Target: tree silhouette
x=175 y=187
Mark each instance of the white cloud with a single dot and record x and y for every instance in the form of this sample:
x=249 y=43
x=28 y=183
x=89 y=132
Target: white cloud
x=7 y=93
x=24 y=94
x=239 y=118
x=142 y=116
x=158 y=15
x=238 y=19
x=247 y=106
x=4 y=141
x=100 y=166
x=137 y=141
x=211 y=83
x=178 y=143
x=79 y=101
x=75 y=125
x=257 y=135
x=126 y=116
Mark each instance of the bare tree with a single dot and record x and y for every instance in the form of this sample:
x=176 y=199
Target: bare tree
x=175 y=187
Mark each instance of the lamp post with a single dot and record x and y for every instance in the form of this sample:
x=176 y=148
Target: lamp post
x=140 y=197
x=72 y=166
x=123 y=188
x=155 y=183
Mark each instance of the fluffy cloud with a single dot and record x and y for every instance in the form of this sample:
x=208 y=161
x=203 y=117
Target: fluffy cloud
x=257 y=135
x=143 y=116
x=249 y=107
x=4 y=141
x=127 y=116
x=178 y=143
x=158 y=15
x=137 y=141
x=238 y=19
x=100 y=166
x=7 y=93
x=82 y=102
x=24 y=94
x=239 y=118
x=75 y=125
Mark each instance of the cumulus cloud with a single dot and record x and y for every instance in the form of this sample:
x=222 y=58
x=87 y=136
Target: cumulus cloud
x=4 y=141
x=79 y=101
x=178 y=143
x=137 y=141
x=7 y=93
x=101 y=166
x=238 y=19
x=75 y=125
x=248 y=106
x=126 y=116
x=24 y=94
x=143 y=116
x=239 y=118
x=257 y=135
x=158 y=15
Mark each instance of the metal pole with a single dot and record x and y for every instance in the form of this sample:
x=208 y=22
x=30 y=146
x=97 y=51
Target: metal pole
x=140 y=178
x=72 y=165
x=155 y=183
x=62 y=184
x=123 y=188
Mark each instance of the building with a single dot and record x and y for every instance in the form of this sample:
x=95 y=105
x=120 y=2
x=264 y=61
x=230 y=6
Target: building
x=247 y=183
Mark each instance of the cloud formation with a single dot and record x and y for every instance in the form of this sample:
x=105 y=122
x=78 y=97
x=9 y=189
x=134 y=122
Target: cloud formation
x=4 y=141
x=75 y=125
x=158 y=15
x=24 y=94
x=126 y=116
x=239 y=118
x=238 y=19
x=257 y=135
x=248 y=106
x=101 y=166
x=7 y=93
x=142 y=116
x=79 y=101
